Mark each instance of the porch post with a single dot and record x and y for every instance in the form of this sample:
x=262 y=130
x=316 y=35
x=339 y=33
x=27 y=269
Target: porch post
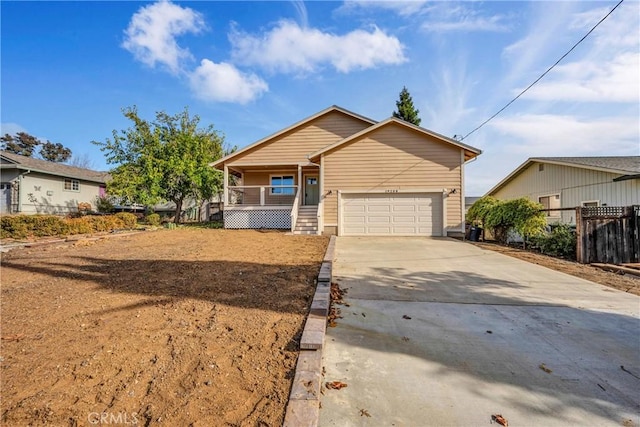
x=225 y=186
x=300 y=187
x=261 y=196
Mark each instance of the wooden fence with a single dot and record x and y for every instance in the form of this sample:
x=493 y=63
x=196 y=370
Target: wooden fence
x=608 y=234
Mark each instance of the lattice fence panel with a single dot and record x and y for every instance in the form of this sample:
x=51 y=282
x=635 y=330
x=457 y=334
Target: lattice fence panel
x=270 y=219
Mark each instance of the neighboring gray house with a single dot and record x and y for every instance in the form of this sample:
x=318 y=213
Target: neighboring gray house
x=33 y=186
x=569 y=182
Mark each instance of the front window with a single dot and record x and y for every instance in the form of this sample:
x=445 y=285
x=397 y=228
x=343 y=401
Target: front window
x=71 y=184
x=282 y=185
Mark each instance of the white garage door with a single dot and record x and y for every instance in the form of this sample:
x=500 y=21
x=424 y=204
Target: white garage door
x=398 y=214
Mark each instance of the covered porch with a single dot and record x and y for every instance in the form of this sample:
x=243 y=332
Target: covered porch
x=272 y=196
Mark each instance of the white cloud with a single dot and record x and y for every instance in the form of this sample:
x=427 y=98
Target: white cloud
x=151 y=35
x=402 y=8
x=553 y=135
x=461 y=18
x=301 y=11
x=592 y=81
x=289 y=48
x=225 y=83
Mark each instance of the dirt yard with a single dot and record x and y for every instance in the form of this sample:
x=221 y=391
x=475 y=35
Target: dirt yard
x=626 y=283
x=172 y=327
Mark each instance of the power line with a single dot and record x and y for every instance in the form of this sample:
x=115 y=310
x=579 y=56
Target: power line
x=545 y=73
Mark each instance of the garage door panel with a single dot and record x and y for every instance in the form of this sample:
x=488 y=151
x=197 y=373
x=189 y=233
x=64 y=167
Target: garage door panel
x=378 y=208
x=404 y=214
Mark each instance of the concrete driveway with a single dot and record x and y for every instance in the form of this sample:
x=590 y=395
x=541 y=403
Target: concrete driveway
x=440 y=332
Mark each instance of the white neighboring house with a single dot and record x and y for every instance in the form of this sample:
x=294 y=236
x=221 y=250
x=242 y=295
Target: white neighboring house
x=33 y=186
x=569 y=182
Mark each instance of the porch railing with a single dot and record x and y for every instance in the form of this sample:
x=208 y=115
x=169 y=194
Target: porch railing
x=262 y=195
x=294 y=210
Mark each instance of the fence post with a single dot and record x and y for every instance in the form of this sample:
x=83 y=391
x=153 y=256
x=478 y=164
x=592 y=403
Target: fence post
x=579 y=236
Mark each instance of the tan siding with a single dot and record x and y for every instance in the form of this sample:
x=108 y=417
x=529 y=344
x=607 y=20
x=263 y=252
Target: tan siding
x=393 y=157
x=294 y=146
x=575 y=185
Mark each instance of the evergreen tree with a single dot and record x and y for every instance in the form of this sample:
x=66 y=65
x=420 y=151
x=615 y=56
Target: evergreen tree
x=405 y=108
x=25 y=145
x=54 y=152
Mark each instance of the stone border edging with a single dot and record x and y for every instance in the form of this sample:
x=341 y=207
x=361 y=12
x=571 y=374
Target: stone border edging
x=303 y=408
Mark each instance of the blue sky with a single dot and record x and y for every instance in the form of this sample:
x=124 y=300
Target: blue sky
x=252 y=68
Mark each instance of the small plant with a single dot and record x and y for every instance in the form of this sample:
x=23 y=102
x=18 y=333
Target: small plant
x=130 y=220
x=561 y=242
x=104 y=204
x=153 y=219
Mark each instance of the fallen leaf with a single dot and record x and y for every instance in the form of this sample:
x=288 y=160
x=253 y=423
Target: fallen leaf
x=500 y=420
x=405 y=338
x=335 y=385
x=364 y=413
x=404 y=316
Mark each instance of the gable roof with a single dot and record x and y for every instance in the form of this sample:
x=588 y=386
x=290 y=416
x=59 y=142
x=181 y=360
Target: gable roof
x=623 y=165
x=469 y=151
x=302 y=122
x=17 y=161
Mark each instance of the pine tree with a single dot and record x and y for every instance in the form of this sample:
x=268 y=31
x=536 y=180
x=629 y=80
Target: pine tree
x=405 y=108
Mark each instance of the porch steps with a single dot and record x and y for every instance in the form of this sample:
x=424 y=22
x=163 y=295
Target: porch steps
x=307 y=220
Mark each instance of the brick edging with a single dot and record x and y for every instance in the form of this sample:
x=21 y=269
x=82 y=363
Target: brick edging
x=303 y=409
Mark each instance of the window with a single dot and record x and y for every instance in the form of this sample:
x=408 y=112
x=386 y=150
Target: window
x=541 y=167
x=282 y=185
x=71 y=184
x=591 y=204
x=551 y=202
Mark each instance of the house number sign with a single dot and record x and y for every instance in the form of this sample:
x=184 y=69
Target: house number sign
x=391 y=191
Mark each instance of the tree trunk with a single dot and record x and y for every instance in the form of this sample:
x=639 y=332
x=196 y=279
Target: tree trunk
x=178 y=211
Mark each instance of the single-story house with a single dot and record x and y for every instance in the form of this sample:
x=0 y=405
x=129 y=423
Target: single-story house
x=338 y=172
x=33 y=186
x=570 y=182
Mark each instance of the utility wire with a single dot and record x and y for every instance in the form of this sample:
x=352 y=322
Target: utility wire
x=545 y=73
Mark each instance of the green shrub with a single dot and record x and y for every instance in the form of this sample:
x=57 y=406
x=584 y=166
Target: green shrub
x=153 y=219
x=521 y=215
x=104 y=204
x=130 y=220
x=561 y=242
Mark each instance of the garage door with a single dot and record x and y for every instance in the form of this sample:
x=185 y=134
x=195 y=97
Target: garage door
x=399 y=214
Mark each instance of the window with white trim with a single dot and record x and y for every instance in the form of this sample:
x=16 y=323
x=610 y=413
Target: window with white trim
x=71 y=184
x=590 y=204
x=282 y=185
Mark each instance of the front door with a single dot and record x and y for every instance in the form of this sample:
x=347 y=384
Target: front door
x=311 y=190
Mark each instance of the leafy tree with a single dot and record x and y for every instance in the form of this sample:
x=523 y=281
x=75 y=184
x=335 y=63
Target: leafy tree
x=167 y=159
x=479 y=211
x=22 y=143
x=25 y=145
x=54 y=152
x=405 y=108
x=522 y=215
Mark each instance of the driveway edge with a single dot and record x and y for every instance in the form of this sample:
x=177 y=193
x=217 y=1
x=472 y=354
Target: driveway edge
x=303 y=408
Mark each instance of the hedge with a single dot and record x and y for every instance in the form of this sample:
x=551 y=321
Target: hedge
x=25 y=226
